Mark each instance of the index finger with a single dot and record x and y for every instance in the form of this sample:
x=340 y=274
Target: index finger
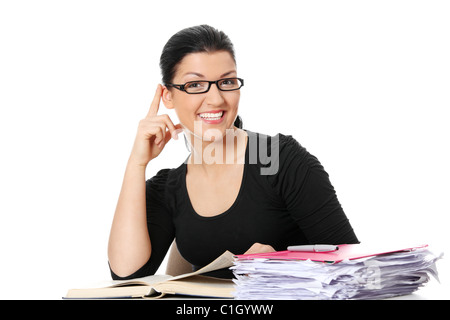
x=154 y=107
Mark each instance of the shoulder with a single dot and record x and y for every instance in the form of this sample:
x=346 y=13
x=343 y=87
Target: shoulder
x=279 y=151
x=292 y=150
x=284 y=142
x=165 y=178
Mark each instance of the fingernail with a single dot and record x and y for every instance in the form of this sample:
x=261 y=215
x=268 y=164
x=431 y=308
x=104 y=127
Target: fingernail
x=175 y=135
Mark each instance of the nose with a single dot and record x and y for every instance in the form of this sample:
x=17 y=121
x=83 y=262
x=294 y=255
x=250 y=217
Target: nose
x=214 y=96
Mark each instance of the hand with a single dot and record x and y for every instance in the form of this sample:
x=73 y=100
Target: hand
x=153 y=133
x=260 y=248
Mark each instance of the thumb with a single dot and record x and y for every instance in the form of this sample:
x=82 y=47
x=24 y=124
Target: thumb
x=174 y=133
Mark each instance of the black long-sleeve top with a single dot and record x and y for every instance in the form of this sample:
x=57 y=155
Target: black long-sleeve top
x=293 y=205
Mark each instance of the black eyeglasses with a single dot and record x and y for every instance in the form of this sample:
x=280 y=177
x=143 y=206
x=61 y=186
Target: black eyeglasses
x=202 y=86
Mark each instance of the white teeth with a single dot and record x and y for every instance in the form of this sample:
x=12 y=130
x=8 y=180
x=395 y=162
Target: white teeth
x=211 y=116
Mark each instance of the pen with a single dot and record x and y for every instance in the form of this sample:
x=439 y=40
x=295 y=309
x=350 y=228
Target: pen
x=314 y=248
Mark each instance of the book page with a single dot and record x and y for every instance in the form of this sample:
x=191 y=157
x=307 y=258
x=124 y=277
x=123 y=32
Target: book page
x=223 y=261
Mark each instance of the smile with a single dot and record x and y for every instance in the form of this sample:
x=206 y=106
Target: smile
x=211 y=116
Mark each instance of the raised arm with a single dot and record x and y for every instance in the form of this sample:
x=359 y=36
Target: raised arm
x=129 y=246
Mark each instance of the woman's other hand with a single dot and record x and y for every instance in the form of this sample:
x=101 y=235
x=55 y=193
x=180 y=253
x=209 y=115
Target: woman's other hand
x=260 y=248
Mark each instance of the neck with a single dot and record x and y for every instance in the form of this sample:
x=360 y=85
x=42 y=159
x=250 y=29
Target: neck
x=216 y=151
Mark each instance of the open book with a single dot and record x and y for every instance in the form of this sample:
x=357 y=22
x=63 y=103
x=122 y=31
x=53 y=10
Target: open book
x=156 y=286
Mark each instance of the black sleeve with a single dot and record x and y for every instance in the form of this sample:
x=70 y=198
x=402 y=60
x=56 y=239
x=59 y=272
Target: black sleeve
x=309 y=196
x=159 y=224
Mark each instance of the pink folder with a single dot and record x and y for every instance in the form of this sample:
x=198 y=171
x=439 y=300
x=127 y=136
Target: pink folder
x=346 y=251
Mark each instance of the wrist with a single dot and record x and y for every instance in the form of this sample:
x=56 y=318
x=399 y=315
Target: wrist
x=134 y=164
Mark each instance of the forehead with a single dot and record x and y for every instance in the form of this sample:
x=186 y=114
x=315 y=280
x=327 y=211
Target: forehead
x=207 y=65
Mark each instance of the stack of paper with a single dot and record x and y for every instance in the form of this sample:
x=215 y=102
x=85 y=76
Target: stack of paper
x=280 y=276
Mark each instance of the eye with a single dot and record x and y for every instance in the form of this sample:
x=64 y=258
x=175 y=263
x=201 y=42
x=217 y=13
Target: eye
x=196 y=86
x=193 y=85
x=229 y=84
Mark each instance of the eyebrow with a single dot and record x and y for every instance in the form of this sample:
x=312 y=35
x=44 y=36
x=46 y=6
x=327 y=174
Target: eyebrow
x=228 y=73
x=193 y=74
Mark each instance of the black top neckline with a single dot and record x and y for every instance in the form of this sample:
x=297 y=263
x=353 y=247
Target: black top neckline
x=236 y=201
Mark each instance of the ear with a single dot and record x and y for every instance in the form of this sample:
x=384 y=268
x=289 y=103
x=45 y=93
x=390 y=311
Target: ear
x=167 y=98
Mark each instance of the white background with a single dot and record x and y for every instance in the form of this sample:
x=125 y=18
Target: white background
x=363 y=85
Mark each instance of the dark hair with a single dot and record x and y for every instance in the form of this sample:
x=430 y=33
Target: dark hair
x=202 y=38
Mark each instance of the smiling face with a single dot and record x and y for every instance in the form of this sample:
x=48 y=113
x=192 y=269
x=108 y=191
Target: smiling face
x=214 y=109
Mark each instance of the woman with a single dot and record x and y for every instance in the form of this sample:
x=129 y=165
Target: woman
x=221 y=198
